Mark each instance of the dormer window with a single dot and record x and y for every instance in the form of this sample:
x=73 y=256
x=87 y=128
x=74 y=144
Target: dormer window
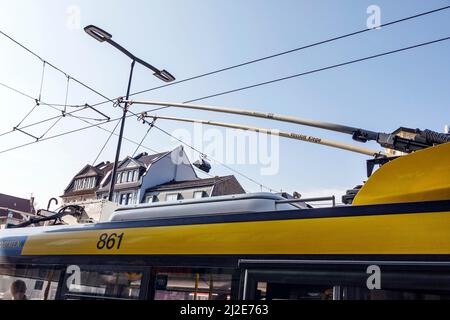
x=85 y=183
x=127 y=176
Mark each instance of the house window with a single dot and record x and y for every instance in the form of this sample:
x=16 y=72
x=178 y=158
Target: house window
x=126 y=198
x=123 y=198
x=127 y=176
x=152 y=199
x=173 y=196
x=91 y=182
x=199 y=194
x=86 y=183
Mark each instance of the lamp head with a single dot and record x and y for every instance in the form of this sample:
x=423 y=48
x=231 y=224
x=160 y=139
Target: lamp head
x=97 y=33
x=164 y=75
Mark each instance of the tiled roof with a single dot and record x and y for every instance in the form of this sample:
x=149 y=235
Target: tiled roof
x=148 y=159
x=15 y=203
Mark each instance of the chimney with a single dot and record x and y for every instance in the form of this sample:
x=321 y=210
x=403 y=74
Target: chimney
x=32 y=204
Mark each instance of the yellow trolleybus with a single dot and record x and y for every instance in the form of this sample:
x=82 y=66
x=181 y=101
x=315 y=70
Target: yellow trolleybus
x=393 y=242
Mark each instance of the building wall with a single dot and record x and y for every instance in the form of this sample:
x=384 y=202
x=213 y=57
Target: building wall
x=165 y=170
x=78 y=199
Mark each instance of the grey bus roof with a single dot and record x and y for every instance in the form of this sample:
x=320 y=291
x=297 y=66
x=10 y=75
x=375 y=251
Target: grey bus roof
x=239 y=203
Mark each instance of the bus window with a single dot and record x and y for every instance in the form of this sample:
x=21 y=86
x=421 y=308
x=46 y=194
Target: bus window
x=191 y=284
x=285 y=291
x=26 y=282
x=355 y=293
x=326 y=284
x=105 y=285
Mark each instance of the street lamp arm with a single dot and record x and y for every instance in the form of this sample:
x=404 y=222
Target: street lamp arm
x=103 y=36
x=161 y=74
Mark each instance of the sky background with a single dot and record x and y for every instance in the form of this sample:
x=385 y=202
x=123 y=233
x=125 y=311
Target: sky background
x=192 y=37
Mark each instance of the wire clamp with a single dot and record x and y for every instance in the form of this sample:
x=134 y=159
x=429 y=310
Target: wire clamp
x=142 y=116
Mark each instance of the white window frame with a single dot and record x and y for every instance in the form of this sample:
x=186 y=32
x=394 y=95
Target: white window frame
x=130 y=199
x=122 y=197
x=172 y=194
x=201 y=192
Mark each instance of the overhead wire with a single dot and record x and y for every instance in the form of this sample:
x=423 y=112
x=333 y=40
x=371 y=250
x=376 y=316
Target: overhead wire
x=247 y=63
x=332 y=39
x=106 y=142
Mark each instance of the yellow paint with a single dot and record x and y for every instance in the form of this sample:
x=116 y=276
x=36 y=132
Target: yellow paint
x=384 y=234
x=421 y=176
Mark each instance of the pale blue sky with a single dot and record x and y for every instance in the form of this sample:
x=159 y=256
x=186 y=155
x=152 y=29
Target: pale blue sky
x=191 y=37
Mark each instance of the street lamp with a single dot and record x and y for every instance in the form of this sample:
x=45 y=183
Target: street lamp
x=103 y=36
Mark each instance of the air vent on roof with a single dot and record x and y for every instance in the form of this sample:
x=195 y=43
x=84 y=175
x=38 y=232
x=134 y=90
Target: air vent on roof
x=140 y=155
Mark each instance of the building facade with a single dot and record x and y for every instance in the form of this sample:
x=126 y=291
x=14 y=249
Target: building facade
x=137 y=174
x=84 y=186
x=158 y=177
x=15 y=210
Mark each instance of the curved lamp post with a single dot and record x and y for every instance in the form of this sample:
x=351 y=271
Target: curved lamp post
x=103 y=36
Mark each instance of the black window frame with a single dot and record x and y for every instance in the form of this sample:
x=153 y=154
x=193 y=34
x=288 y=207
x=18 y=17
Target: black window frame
x=55 y=267
x=62 y=291
x=420 y=279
